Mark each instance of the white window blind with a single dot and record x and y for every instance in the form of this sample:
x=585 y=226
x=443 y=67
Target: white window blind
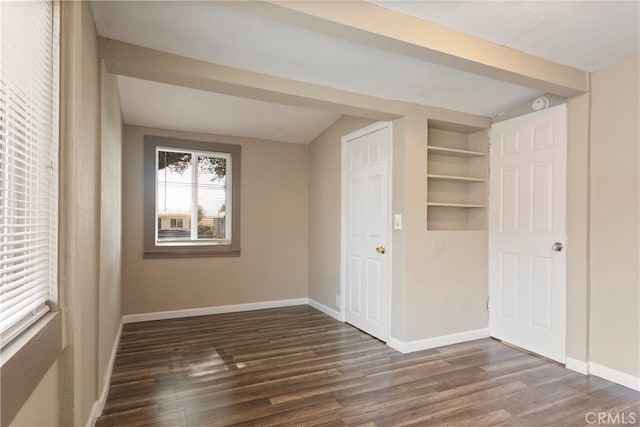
x=29 y=73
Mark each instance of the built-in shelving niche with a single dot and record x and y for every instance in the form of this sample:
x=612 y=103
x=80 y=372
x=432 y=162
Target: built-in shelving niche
x=457 y=177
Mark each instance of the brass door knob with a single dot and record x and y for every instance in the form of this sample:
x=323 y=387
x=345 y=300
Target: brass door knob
x=380 y=249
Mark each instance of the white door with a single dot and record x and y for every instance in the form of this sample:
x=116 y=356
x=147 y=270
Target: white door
x=366 y=230
x=527 y=232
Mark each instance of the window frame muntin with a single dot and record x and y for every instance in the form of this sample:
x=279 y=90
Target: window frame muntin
x=190 y=249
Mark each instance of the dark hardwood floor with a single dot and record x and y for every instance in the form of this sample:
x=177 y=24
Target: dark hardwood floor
x=296 y=366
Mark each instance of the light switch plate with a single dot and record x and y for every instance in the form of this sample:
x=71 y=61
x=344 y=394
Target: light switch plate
x=397 y=221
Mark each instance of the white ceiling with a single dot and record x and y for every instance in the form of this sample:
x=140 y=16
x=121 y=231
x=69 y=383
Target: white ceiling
x=587 y=35
x=162 y=106
x=223 y=36
x=584 y=35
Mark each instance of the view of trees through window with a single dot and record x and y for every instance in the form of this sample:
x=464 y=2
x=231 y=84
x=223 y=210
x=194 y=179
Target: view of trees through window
x=191 y=201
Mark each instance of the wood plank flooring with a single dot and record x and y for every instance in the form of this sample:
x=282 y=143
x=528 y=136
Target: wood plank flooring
x=296 y=366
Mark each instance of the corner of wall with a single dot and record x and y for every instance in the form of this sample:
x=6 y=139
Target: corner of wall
x=324 y=210
x=614 y=208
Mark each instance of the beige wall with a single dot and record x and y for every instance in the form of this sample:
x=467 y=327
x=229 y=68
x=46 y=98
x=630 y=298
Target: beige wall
x=409 y=200
x=615 y=213
x=109 y=310
x=324 y=209
x=80 y=214
x=445 y=290
x=398 y=241
x=41 y=410
x=577 y=274
x=274 y=221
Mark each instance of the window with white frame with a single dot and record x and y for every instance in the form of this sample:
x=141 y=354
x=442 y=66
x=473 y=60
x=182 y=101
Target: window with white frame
x=195 y=188
x=29 y=75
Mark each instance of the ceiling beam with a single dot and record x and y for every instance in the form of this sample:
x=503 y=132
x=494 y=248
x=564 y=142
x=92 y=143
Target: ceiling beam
x=365 y=23
x=149 y=64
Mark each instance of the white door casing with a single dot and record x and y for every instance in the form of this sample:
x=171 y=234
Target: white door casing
x=527 y=217
x=366 y=229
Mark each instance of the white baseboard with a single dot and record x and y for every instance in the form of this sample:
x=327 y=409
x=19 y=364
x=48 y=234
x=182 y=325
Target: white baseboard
x=592 y=368
x=94 y=414
x=577 y=365
x=614 y=376
x=427 y=343
x=98 y=405
x=326 y=310
x=190 y=312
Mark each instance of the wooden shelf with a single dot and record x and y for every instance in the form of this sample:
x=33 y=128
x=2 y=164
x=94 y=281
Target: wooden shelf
x=455 y=178
x=456 y=199
x=455 y=205
x=455 y=152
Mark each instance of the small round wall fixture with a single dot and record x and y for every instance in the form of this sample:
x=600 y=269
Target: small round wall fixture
x=540 y=103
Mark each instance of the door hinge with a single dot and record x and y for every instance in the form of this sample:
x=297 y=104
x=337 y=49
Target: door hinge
x=488 y=304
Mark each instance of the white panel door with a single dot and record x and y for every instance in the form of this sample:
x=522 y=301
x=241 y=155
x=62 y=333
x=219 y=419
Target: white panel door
x=527 y=233
x=366 y=257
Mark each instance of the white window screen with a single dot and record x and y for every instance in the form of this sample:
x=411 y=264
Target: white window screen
x=29 y=69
